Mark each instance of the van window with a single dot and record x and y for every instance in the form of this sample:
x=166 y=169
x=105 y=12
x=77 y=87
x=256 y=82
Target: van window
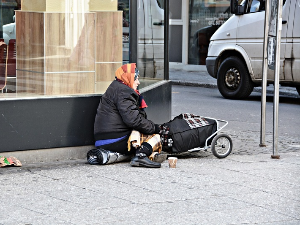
x=161 y=3
x=257 y=5
x=253 y=6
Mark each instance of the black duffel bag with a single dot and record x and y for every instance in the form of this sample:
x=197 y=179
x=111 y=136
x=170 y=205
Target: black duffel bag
x=185 y=132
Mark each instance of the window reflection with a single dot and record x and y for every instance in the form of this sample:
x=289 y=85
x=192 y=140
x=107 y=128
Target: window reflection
x=62 y=53
x=8 y=43
x=205 y=17
x=58 y=51
x=123 y=5
x=151 y=40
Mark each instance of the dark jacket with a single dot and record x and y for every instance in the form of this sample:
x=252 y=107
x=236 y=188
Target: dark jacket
x=118 y=114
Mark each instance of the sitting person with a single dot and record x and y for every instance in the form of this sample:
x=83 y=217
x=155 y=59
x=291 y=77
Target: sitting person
x=120 y=117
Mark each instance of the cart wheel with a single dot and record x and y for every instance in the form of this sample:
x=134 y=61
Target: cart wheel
x=221 y=146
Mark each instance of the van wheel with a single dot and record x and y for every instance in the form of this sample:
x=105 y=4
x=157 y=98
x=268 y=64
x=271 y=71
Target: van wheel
x=298 y=89
x=234 y=81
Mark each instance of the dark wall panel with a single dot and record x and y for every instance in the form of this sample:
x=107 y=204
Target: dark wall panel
x=159 y=103
x=47 y=123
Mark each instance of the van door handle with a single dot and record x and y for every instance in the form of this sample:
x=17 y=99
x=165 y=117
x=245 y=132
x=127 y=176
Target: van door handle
x=161 y=23
x=284 y=21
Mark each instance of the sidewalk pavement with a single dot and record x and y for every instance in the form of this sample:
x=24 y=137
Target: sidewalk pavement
x=240 y=189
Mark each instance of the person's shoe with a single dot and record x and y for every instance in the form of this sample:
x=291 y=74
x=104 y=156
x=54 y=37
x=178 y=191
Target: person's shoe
x=158 y=157
x=95 y=156
x=92 y=157
x=141 y=159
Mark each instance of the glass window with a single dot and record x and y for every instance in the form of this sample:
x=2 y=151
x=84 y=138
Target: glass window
x=205 y=17
x=253 y=5
x=8 y=45
x=150 y=41
x=70 y=50
x=175 y=40
x=123 y=5
x=161 y=3
x=175 y=9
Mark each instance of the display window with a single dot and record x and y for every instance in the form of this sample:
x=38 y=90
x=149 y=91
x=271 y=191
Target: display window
x=8 y=45
x=75 y=47
x=150 y=35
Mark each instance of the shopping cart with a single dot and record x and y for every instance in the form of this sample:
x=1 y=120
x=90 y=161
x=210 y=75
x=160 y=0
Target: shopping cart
x=191 y=133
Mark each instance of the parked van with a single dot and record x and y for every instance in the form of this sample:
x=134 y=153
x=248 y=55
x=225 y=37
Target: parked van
x=235 y=54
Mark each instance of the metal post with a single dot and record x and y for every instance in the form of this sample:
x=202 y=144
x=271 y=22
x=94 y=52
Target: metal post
x=276 y=81
x=133 y=35
x=264 y=79
x=166 y=40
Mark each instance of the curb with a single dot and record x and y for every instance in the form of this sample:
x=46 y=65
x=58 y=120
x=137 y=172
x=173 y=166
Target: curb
x=194 y=84
x=49 y=155
x=256 y=89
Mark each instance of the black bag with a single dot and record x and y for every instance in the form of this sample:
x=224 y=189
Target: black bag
x=185 y=132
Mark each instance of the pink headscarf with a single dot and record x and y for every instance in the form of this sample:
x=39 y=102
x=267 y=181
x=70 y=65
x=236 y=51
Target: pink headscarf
x=126 y=74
